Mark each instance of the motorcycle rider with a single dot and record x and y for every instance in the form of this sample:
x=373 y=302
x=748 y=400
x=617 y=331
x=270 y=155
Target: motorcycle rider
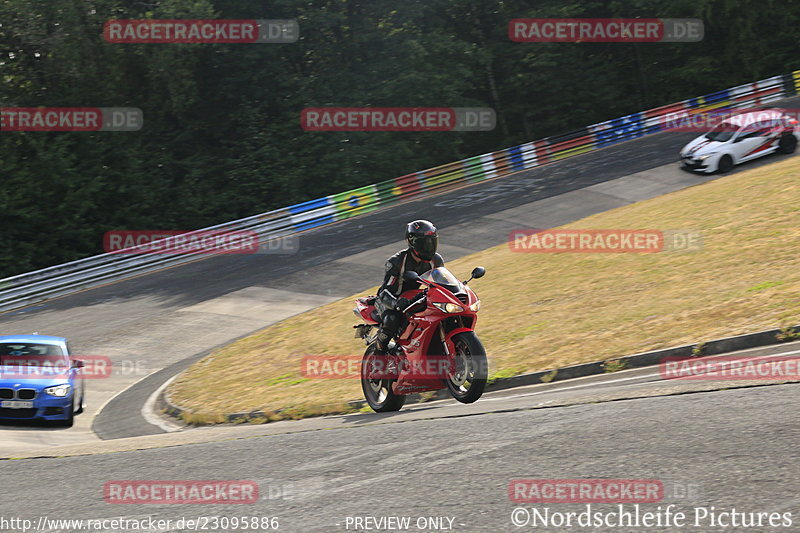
x=420 y=256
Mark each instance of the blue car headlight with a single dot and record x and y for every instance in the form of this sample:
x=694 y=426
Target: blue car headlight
x=59 y=391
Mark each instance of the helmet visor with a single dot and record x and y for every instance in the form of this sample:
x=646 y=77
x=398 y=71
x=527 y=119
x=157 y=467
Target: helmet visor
x=425 y=246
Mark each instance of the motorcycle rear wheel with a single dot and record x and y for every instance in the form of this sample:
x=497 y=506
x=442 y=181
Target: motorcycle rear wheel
x=467 y=382
x=378 y=392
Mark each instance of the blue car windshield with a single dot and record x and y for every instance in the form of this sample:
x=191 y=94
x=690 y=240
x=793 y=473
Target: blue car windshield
x=32 y=355
x=30 y=349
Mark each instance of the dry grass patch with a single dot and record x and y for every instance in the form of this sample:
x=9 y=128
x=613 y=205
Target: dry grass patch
x=542 y=311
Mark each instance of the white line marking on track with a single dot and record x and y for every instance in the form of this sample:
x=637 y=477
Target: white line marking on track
x=619 y=380
x=149 y=410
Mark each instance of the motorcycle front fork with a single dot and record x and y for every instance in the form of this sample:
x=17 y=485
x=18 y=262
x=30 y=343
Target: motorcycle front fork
x=443 y=337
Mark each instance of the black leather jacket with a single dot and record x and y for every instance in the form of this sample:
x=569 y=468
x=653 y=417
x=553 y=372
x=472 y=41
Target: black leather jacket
x=393 y=283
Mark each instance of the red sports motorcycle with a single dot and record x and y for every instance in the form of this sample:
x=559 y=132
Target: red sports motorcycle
x=436 y=348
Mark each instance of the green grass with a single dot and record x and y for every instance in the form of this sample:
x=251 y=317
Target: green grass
x=500 y=374
x=543 y=311
x=614 y=365
x=765 y=285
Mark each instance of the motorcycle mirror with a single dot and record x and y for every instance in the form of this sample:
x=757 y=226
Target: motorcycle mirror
x=410 y=275
x=476 y=273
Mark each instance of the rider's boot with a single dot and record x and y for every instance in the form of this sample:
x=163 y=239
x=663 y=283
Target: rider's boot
x=382 y=342
x=382 y=349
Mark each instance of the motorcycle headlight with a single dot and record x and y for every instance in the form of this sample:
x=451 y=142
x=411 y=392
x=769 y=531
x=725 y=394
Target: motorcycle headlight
x=448 y=307
x=475 y=306
x=59 y=391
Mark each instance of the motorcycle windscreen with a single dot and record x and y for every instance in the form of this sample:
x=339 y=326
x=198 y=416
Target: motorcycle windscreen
x=444 y=277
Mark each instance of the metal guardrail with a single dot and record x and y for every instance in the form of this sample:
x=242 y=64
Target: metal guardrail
x=32 y=287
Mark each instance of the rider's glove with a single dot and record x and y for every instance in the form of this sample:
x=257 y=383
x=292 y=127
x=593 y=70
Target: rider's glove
x=402 y=303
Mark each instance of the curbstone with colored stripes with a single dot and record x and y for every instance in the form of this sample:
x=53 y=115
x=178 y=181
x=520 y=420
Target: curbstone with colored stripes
x=60 y=280
x=701 y=349
x=533 y=154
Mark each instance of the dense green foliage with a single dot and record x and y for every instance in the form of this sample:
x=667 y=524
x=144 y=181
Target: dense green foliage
x=222 y=137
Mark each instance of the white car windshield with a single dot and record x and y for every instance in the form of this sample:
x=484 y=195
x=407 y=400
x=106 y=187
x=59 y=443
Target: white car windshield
x=442 y=276
x=722 y=133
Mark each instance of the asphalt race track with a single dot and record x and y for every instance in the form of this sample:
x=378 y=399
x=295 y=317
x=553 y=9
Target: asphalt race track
x=155 y=325
x=729 y=450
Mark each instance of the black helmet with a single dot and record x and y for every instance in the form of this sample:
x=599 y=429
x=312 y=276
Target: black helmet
x=422 y=239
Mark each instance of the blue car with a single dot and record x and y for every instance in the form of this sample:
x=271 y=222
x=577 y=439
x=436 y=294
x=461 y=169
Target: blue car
x=39 y=380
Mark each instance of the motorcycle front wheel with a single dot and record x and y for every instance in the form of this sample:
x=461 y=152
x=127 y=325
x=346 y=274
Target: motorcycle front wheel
x=378 y=392
x=468 y=379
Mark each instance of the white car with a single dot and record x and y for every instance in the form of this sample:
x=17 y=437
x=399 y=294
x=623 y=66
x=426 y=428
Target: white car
x=740 y=138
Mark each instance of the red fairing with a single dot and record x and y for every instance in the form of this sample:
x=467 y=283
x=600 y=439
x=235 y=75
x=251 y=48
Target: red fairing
x=423 y=370
x=429 y=352
x=365 y=310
